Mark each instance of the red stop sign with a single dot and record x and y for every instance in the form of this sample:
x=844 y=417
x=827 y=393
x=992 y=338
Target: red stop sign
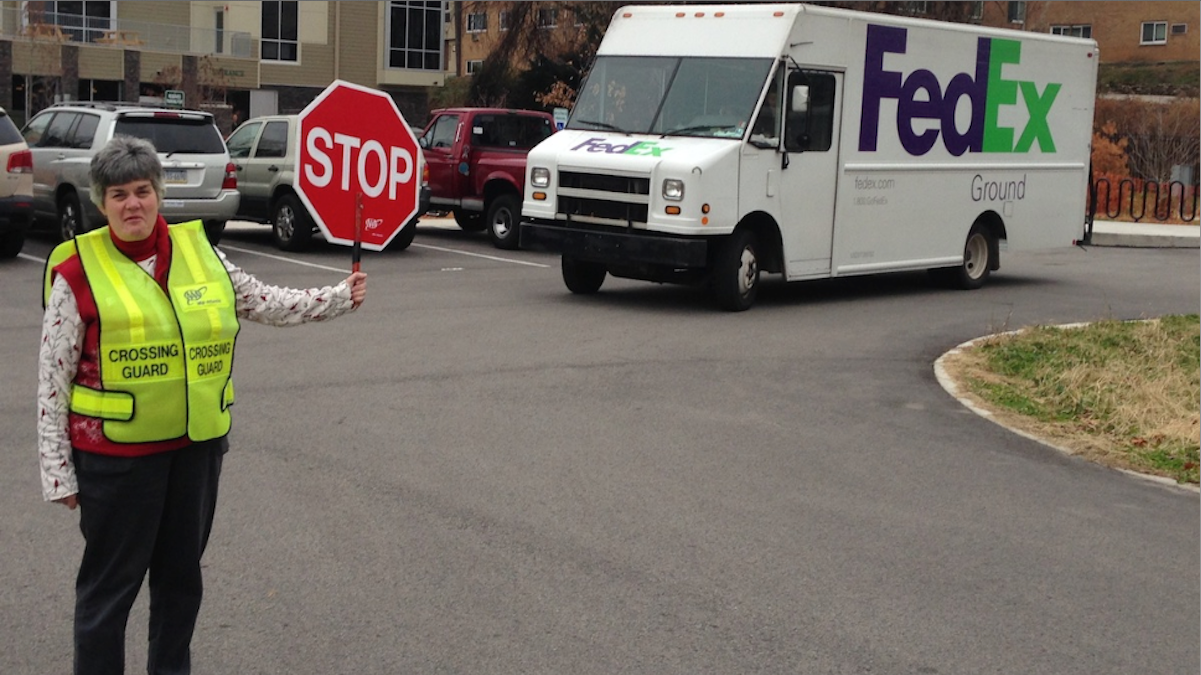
x=354 y=141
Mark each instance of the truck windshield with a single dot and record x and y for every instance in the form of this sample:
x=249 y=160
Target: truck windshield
x=672 y=96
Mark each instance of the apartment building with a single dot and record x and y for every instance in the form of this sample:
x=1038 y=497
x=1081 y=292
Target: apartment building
x=1126 y=32
x=240 y=58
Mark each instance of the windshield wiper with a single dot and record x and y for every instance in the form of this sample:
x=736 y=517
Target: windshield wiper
x=699 y=127
x=605 y=125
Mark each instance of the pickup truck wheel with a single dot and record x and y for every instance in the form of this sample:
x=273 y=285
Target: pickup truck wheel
x=291 y=226
x=404 y=238
x=581 y=276
x=213 y=229
x=469 y=221
x=977 y=261
x=735 y=280
x=70 y=217
x=503 y=217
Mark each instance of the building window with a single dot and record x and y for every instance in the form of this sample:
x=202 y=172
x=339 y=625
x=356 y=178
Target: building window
x=81 y=21
x=415 y=35
x=1179 y=28
x=504 y=20
x=281 y=36
x=477 y=23
x=219 y=31
x=548 y=18
x=474 y=65
x=978 y=10
x=1017 y=12
x=1073 y=31
x=915 y=7
x=1154 y=33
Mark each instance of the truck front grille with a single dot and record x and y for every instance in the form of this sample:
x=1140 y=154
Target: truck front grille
x=604 y=198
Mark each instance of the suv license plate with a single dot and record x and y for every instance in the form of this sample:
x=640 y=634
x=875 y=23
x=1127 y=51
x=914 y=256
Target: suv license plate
x=175 y=176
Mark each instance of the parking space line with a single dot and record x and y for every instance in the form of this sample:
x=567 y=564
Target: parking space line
x=33 y=258
x=481 y=255
x=239 y=249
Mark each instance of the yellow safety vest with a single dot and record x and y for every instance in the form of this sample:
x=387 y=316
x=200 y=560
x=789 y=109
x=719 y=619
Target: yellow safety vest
x=165 y=362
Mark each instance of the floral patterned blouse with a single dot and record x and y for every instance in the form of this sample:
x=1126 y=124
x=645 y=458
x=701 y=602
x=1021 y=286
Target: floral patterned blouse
x=62 y=339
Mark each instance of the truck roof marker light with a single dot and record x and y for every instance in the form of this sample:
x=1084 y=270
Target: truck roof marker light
x=626 y=15
x=777 y=14
x=672 y=210
x=704 y=208
x=705 y=220
x=719 y=14
x=699 y=15
x=680 y=15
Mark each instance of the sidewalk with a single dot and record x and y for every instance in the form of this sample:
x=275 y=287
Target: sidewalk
x=1145 y=235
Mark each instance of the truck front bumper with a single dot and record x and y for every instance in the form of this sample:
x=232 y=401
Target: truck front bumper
x=619 y=247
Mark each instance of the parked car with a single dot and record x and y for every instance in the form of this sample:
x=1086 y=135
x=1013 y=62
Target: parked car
x=199 y=179
x=263 y=150
x=16 y=188
x=476 y=161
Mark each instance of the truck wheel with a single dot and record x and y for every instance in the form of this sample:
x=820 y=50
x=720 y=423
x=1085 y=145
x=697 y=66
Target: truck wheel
x=469 y=221
x=404 y=238
x=70 y=217
x=291 y=226
x=735 y=274
x=977 y=261
x=213 y=229
x=503 y=225
x=581 y=276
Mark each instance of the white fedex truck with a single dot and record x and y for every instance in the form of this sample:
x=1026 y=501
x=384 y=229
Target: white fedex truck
x=710 y=142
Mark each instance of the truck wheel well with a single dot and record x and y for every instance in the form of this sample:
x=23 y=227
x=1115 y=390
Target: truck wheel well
x=771 y=257
x=496 y=187
x=996 y=226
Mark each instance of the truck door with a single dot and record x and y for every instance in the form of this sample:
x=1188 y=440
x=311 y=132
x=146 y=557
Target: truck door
x=438 y=144
x=808 y=185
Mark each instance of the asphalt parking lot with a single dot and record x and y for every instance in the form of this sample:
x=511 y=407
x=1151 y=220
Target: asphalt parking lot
x=479 y=472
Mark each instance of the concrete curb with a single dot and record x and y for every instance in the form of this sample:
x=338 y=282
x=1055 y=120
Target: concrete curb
x=952 y=388
x=1145 y=235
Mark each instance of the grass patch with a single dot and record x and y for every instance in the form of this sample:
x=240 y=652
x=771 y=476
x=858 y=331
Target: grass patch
x=1123 y=393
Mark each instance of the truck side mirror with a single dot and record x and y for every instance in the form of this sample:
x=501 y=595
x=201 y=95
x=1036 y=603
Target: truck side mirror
x=800 y=98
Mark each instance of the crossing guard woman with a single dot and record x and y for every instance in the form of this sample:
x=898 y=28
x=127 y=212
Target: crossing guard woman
x=134 y=390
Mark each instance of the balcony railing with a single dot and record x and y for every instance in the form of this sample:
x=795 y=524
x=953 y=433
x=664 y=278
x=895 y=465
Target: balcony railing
x=16 y=23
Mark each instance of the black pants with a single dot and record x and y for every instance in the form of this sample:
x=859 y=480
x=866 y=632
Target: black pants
x=143 y=514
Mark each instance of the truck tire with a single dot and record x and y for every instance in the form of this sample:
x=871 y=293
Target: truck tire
x=291 y=226
x=581 y=276
x=213 y=229
x=977 y=261
x=734 y=280
x=71 y=220
x=469 y=221
x=404 y=238
x=504 y=215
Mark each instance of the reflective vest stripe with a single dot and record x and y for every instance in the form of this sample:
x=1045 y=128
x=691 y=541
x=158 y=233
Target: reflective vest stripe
x=187 y=248
x=137 y=320
x=107 y=405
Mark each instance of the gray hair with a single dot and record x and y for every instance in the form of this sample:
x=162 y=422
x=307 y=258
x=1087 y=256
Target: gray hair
x=122 y=160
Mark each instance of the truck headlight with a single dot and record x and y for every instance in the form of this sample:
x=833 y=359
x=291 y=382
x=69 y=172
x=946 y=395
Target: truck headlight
x=673 y=189
x=540 y=176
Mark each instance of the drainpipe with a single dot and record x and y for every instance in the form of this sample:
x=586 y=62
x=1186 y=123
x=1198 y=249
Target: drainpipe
x=337 y=40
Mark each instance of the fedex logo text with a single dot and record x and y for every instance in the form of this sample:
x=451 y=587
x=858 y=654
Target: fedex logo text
x=646 y=148
x=920 y=96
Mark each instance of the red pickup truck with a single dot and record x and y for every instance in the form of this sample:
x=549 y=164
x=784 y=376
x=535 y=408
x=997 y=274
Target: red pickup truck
x=476 y=160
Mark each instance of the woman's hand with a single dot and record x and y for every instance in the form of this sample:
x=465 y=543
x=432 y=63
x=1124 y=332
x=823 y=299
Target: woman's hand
x=358 y=287
x=70 y=501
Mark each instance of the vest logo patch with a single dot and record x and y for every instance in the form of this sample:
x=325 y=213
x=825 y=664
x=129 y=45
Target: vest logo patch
x=198 y=296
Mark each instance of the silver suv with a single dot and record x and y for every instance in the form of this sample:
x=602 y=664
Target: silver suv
x=264 y=152
x=16 y=188
x=200 y=181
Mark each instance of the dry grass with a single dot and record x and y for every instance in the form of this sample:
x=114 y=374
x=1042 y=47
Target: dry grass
x=1125 y=394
